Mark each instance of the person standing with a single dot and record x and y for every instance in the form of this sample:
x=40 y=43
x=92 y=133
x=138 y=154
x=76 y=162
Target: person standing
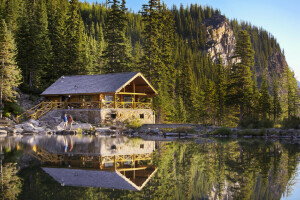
x=70 y=122
x=65 y=120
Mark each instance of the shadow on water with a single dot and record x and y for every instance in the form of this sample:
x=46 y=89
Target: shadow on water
x=72 y=167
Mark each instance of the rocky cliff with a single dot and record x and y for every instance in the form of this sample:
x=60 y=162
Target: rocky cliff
x=220 y=39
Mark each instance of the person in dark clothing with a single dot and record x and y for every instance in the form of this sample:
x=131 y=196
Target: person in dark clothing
x=70 y=122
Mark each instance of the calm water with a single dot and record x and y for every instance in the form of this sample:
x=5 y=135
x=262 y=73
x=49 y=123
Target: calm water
x=72 y=167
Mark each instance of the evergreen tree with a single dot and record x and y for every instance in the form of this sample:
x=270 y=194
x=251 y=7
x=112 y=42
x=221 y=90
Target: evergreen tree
x=57 y=18
x=10 y=75
x=264 y=100
x=151 y=64
x=220 y=91
x=116 y=54
x=180 y=111
x=100 y=47
x=276 y=107
x=34 y=49
x=239 y=88
x=75 y=41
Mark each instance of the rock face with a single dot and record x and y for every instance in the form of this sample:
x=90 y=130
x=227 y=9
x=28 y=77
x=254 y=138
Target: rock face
x=220 y=39
x=277 y=63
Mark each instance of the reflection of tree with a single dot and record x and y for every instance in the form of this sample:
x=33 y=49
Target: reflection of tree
x=11 y=183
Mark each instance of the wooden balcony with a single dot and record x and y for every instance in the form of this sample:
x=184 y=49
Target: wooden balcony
x=101 y=104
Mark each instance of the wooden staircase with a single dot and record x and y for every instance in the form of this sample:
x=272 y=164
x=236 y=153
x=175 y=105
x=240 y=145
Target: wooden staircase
x=35 y=112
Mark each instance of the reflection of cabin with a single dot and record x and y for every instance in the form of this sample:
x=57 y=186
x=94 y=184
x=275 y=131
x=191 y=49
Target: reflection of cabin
x=118 y=163
x=118 y=96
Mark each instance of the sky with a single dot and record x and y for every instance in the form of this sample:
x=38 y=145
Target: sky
x=279 y=17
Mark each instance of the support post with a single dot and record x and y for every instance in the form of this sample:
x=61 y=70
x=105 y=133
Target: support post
x=115 y=100
x=133 y=101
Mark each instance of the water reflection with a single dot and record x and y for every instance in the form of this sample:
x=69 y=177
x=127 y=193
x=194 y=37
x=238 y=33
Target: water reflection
x=116 y=163
x=138 y=169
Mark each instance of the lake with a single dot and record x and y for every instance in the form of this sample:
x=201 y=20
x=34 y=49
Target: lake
x=86 y=167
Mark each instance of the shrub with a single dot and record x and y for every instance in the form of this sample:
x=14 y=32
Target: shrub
x=222 y=131
x=133 y=123
x=293 y=122
x=256 y=123
x=12 y=108
x=249 y=132
x=79 y=131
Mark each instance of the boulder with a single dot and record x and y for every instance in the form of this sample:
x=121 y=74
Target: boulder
x=18 y=126
x=34 y=122
x=84 y=126
x=18 y=130
x=28 y=128
x=39 y=129
x=58 y=128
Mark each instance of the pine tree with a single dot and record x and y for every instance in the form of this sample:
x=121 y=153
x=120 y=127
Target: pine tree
x=264 y=100
x=100 y=47
x=57 y=18
x=116 y=54
x=34 y=49
x=276 y=107
x=76 y=38
x=10 y=75
x=151 y=64
x=220 y=91
x=239 y=88
x=180 y=111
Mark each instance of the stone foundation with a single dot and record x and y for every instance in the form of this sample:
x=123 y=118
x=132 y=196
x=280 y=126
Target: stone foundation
x=146 y=116
x=100 y=116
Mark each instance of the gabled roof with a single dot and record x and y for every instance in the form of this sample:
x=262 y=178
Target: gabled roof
x=94 y=178
x=91 y=84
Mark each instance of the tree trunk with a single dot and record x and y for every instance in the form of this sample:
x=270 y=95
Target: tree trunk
x=241 y=113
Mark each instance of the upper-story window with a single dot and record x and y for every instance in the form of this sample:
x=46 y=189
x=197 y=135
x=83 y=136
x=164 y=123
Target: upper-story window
x=109 y=98
x=85 y=97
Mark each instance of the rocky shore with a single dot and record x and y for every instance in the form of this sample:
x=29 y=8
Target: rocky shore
x=154 y=131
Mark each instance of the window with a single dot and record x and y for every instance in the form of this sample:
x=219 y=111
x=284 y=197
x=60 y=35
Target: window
x=142 y=116
x=113 y=116
x=109 y=98
x=85 y=97
x=127 y=98
x=141 y=146
x=113 y=147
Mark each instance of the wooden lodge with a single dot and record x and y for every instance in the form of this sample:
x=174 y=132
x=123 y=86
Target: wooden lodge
x=118 y=96
x=119 y=90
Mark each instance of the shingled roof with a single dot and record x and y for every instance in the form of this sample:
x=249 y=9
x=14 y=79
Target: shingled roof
x=89 y=84
x=94 y=178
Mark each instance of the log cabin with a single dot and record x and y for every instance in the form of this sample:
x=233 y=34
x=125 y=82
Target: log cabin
x=104 y=98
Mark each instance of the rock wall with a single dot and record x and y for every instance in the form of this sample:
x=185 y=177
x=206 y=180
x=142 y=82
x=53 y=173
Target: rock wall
x=82 y=115
x=98 y=116
x=146 y=116
x=220 y=39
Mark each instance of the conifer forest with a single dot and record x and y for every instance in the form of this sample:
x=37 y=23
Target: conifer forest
x=42 y=40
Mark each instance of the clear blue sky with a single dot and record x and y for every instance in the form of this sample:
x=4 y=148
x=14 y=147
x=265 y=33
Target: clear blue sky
x=280 y=17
